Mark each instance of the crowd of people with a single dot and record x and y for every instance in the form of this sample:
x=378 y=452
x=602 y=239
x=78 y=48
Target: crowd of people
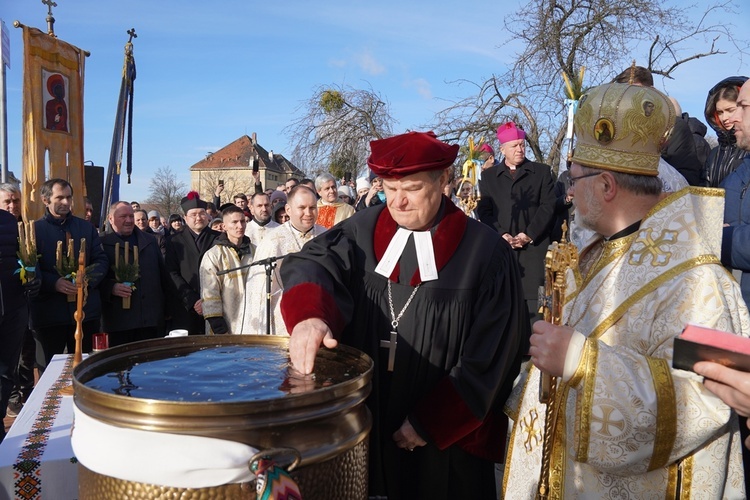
x=437 y=280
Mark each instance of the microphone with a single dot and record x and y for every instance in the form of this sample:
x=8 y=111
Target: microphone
x=263 y=262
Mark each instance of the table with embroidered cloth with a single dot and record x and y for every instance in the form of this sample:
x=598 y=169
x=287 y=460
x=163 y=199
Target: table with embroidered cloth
x=36 y=457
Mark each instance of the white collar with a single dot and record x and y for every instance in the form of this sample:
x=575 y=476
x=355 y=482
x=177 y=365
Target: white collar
x=425 y=254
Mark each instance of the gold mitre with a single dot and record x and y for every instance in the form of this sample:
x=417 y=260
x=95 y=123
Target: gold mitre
x=623 y=127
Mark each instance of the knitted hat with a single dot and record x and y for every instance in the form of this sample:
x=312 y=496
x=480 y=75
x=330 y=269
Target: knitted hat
x=276 y=195
x=346 y=191
x=410 y=153
x=623 y=128
x=363 y=183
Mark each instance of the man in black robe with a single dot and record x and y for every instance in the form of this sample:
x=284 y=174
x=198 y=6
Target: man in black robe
x=184 y=251
x=518 y=201
x=441 y=314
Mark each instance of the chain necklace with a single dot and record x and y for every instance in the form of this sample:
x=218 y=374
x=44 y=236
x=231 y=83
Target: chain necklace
x=393 y=341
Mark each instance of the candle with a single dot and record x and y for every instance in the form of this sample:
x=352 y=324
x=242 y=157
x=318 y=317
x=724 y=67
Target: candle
x=22 y=243
x=58 y=256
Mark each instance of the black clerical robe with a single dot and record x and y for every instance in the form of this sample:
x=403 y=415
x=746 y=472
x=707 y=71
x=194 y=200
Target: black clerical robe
x=458 y=343
x=184 y=251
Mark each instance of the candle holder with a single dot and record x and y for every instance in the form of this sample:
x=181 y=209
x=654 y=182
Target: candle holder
x=99 y=342
x=27 y=253
x=127 y=272
x=66 y=263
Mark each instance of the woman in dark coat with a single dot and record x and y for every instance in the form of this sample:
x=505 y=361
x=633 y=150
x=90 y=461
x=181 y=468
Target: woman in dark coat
x=725 y=157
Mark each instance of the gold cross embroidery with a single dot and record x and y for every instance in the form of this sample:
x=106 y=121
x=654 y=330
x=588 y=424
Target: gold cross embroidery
x=530 y=427
x=605 y=421
x=652 y=247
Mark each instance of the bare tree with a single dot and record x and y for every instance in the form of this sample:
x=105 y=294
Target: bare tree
x=166 y=191
x=335 y=127
x=560 y=37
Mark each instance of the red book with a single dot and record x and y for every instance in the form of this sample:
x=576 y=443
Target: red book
x=698 y=343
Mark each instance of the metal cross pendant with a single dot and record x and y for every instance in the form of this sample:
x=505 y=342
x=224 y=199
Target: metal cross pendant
x=391 y=346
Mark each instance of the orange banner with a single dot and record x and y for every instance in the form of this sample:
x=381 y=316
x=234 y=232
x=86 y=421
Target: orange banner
x=52 y=119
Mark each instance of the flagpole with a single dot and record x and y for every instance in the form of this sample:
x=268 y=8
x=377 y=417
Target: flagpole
x=123 y=112
x=4 y=61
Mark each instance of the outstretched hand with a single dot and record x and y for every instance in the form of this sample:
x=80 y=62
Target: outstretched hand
x=306 y=338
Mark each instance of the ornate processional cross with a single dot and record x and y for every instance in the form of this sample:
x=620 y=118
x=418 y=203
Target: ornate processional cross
x=49 y=4
x=50 y=17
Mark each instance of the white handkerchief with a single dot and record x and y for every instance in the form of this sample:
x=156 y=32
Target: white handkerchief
x=424 y=249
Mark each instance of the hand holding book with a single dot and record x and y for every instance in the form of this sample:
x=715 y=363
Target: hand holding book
x=723 y=359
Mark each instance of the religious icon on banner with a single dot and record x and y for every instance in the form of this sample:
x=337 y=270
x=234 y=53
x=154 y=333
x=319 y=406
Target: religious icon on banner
x=55 y=101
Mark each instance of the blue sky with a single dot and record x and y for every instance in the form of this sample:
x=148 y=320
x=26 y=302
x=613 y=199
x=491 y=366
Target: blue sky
x=210 y=72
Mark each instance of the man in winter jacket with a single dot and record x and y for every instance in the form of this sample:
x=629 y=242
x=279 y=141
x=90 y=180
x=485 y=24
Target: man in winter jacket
x=13 y=309
x=52 y=312
x=144 y=297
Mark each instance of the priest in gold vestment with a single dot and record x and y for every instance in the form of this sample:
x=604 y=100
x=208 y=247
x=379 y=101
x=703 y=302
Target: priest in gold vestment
x=629 y=425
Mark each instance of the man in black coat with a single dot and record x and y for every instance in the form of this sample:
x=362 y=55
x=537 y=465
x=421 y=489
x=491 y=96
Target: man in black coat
x=52 y=318
x=14 y=312
x=518 y=201
x=146 y=312
x=10 y=201
x=183 y=258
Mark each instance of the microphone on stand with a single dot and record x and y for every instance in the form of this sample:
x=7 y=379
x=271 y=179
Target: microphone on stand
x=262 y=262
x=269 y=263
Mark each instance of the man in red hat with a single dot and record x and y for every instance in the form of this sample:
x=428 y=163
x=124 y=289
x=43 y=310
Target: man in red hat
x=518 y=201
x=184 y=251
x=435 y=299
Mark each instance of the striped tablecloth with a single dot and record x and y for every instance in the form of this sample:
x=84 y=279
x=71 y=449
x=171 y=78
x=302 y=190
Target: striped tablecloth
x=36 y=459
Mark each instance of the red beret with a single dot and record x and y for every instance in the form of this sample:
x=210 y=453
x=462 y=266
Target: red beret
x=410 y=153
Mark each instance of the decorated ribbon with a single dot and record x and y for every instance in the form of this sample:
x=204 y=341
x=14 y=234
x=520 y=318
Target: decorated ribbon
x=273 y=482
x=24 y=270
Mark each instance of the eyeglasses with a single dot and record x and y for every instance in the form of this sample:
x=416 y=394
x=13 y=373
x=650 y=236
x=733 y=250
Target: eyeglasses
x=573 y=180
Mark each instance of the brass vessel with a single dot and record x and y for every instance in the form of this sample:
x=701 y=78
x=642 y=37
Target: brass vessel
x=328 y=426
